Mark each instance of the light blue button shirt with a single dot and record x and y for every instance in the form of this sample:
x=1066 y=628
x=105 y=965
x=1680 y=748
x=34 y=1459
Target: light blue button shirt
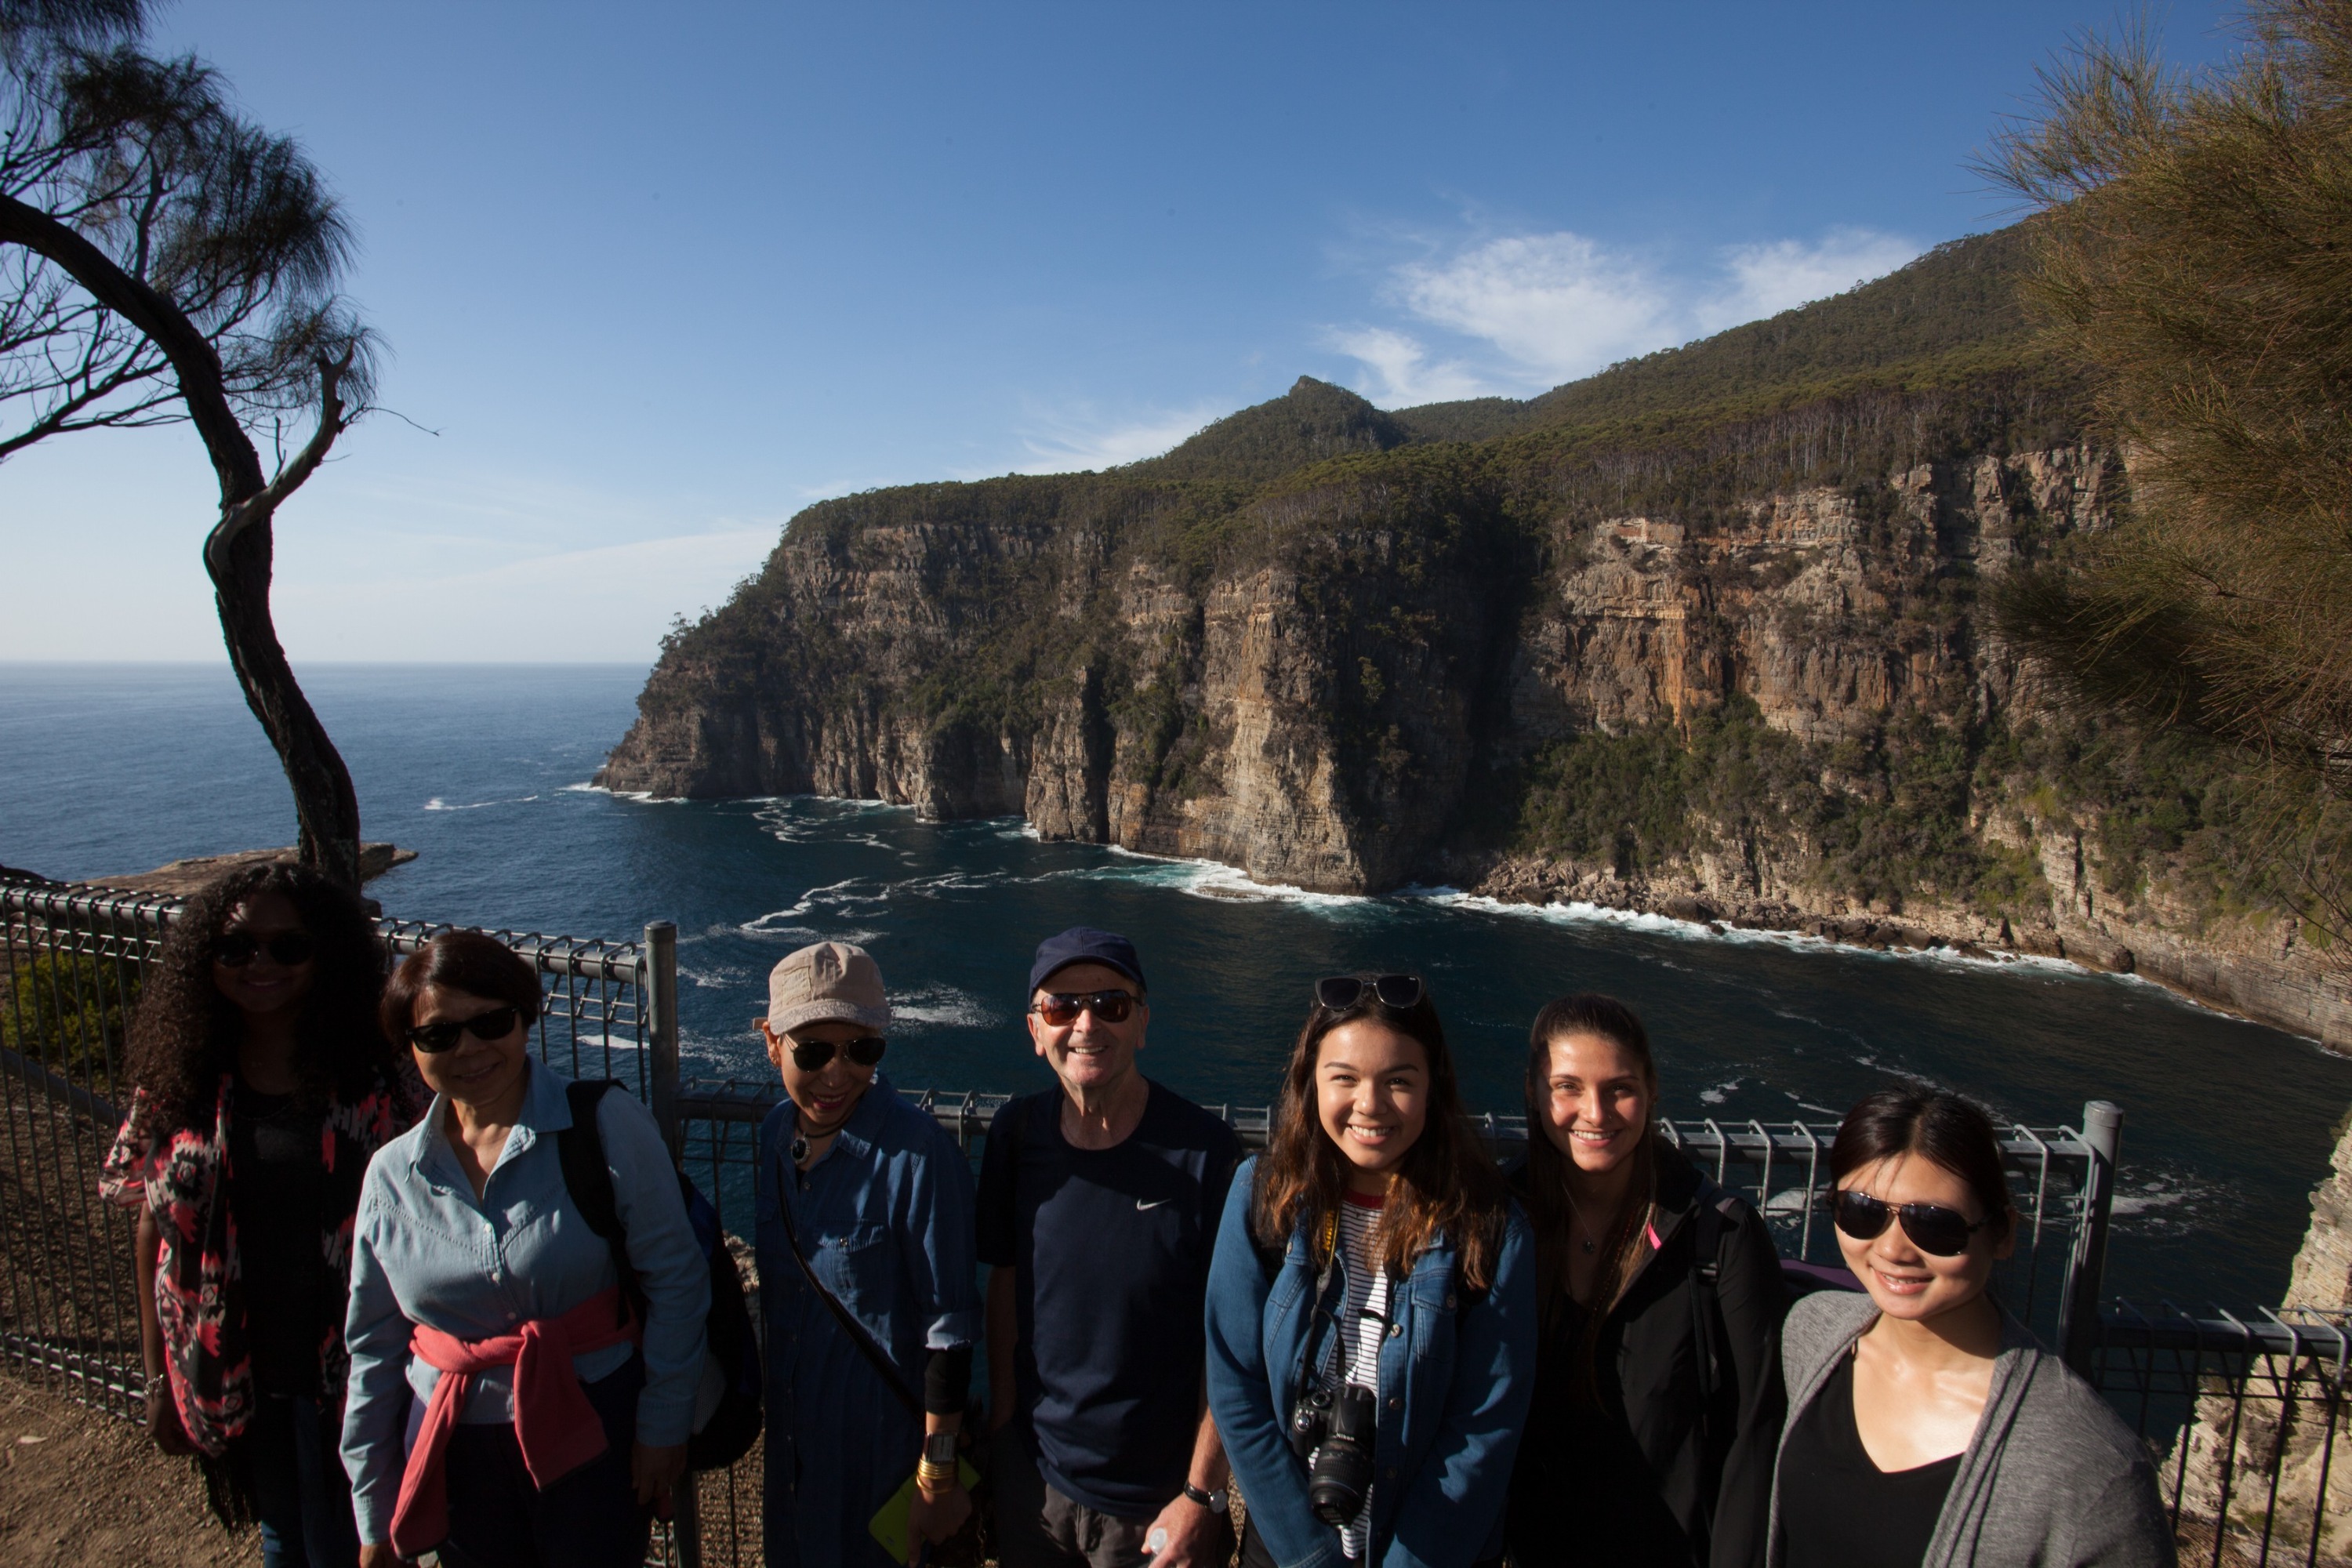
x=426 y=1250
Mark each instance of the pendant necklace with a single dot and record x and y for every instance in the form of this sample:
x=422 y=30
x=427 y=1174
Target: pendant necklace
x=800 y=1149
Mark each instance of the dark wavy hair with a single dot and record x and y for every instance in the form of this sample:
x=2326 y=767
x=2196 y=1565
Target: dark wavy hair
x=184 y=1032
x=1446 y=1184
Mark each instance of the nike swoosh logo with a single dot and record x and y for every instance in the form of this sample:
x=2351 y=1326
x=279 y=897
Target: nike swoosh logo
x=1155 y=1203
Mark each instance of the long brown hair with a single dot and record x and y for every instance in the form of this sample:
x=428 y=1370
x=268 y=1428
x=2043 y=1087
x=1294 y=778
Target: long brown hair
x=1445 y=1184
x=1549 y=1206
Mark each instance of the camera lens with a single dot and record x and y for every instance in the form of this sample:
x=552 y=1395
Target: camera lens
x=1340 y=1475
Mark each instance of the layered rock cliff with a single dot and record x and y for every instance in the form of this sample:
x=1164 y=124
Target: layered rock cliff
x=1324 y=645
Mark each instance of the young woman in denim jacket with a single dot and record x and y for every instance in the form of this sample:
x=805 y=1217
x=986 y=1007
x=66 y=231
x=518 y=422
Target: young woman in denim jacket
x=1371 y=1272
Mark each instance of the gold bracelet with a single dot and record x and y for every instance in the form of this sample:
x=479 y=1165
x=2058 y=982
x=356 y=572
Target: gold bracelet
x=928 y=1476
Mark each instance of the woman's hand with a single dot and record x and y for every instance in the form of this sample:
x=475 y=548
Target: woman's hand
x=934 y=1517
x=163 y=1418
x=655 y=1470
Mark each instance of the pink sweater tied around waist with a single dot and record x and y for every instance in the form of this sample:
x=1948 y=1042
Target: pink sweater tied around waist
x=555 y=1426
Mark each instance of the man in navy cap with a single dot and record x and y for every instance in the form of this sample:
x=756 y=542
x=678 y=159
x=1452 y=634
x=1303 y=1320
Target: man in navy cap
x=1098 y=1208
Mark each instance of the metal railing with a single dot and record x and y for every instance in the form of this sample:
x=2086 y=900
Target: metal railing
x=2244 y=1417
x=2061 y=1179
x=2242 y=1414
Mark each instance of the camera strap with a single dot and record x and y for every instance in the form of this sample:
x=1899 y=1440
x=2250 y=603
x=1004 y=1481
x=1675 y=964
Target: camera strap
x=856 y=1330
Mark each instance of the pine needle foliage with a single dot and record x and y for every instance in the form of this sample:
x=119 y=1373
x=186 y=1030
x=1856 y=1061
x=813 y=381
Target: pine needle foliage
x=2195 y=254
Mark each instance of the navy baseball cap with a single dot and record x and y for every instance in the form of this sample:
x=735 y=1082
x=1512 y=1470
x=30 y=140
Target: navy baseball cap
x=1085 y=944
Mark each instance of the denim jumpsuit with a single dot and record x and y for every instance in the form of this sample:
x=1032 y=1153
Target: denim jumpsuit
x=885 y=1219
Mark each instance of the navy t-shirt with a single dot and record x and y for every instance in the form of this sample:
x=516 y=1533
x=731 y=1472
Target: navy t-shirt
x=1110 y=1250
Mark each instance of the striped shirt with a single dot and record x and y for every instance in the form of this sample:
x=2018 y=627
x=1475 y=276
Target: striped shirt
x=1362 y=1323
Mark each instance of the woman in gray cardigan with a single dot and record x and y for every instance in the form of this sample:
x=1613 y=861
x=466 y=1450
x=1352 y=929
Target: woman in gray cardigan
x=1926 y=1426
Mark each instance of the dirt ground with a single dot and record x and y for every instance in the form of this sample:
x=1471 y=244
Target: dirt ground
x=79 y=1488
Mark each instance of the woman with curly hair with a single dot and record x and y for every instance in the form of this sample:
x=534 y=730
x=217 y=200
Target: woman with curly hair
x=1371 y=1302
x=261 y=1087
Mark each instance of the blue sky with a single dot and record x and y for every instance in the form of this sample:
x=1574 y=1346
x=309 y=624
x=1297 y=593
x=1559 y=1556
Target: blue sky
x=660 y=277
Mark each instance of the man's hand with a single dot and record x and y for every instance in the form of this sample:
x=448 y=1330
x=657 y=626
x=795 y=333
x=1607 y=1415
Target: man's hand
x=163 y=1419
x=655 y=1470
x=380 y=1554
x=932 y=1518
x=1192 y=1537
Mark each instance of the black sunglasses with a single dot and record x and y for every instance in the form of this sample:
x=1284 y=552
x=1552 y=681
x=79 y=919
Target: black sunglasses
x=495 y=1025
x=235 y=949
x=1061 y=1008
x=810 y=1056
x=1341 y=992
x=1932 y=1229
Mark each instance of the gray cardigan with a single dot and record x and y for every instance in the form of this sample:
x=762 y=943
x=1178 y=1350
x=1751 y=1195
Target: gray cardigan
x=2051 y=1479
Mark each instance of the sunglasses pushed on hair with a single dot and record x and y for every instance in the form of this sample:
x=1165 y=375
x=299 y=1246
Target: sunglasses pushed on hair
x=1395 y=992
x=237 y=948
x=1932 y=1229
x=811 y=1055
x=1061 y=1008
x=495 y=1025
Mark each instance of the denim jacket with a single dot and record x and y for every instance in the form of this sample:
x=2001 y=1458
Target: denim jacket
x=1455 y=1376
x=427 y=1251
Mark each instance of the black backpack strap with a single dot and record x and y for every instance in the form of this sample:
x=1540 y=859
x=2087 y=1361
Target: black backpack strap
x=580 y=1150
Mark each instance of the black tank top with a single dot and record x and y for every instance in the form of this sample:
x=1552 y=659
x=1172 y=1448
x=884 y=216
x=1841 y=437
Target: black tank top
x=1840 y=1510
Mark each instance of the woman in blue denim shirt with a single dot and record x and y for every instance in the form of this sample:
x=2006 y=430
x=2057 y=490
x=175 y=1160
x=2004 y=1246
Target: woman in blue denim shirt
x=877 y=1200
x=509 y=1402
x=1371 y=1277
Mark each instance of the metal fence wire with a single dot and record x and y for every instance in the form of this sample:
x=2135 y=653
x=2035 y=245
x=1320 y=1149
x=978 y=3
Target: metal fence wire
x=2243 y=1415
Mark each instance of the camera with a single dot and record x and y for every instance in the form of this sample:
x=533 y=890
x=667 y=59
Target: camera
x=1334 y=1431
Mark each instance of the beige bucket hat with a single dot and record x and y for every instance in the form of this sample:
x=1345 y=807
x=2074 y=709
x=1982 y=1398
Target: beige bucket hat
x=827 y=981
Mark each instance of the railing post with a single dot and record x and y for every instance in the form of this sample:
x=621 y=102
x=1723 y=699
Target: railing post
x=659 y=976
x=2078 y=1310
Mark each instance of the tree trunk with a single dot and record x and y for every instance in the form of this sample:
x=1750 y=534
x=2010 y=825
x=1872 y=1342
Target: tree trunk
x=238 y=549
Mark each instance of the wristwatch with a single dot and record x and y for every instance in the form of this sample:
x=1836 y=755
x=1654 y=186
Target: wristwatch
x=1217 y=1501
x=940 y=1448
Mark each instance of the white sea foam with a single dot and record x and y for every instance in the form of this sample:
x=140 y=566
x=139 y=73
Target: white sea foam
x=1719 y=1093
x=438 y=803
x=944 y=1005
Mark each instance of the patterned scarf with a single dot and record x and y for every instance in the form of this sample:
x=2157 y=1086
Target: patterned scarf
x=198 y=1280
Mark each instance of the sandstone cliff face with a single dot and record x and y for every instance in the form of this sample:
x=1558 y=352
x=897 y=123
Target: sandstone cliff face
x=1331 y=683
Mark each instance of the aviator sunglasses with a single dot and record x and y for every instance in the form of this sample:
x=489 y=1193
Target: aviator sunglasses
x=235 y=949
x=810 y=1056
x=1341 y=992
x=495 y=1025
x=1061 y=1008
x=1932 y=1229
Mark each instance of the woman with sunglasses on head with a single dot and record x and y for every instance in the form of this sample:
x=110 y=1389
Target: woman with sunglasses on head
x=261 y=1084
x=866 y=1214
x=1926 y=1424
x=1371 y=1304
x=1658 y=1382
x=517 y=1400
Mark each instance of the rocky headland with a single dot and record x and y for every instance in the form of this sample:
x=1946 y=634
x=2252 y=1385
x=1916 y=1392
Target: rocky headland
x=1702 y=636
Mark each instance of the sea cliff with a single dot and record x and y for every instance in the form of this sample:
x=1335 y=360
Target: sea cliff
x=1345 y=650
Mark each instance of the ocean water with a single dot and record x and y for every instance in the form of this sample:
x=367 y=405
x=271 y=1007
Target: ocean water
x=482 y=770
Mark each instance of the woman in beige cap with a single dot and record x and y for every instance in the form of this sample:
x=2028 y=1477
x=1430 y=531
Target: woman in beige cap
x=865 y=1200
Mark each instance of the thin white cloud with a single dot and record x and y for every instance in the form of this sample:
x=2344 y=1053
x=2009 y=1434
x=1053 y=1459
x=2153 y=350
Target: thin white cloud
x=1406 y=374
x=1545 y=300
x=1073 y=440
x=1770 y=278
x=1530 y=312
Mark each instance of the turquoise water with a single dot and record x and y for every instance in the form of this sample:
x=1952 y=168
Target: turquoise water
x=118 y=768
